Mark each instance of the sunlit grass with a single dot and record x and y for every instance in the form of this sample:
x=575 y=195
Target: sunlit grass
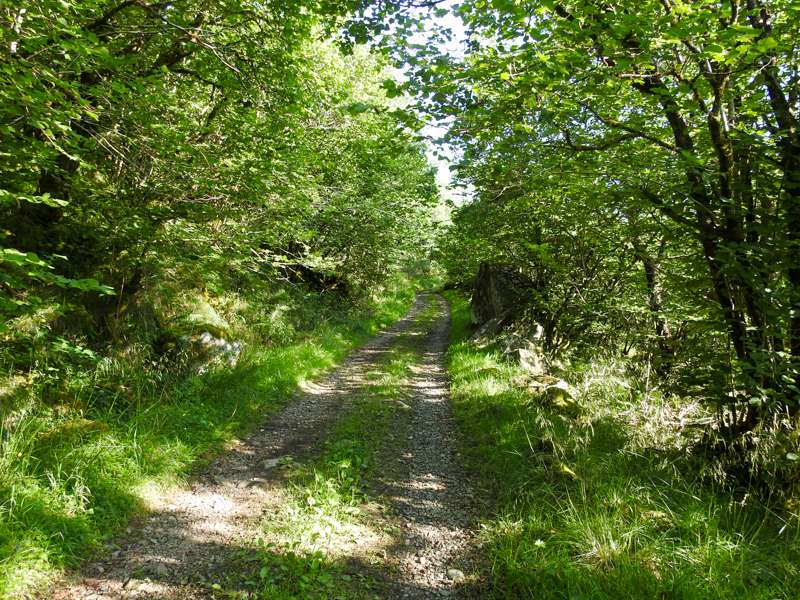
x=603 y=502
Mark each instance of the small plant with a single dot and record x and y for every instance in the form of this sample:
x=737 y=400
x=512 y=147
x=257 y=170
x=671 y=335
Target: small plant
x=286 y=574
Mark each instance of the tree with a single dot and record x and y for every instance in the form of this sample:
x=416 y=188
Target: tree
x=702 y=101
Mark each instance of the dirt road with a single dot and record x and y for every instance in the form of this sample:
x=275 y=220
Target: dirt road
x=418 y=500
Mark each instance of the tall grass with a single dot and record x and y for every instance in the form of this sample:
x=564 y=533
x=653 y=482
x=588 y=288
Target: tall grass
x=73 y=472
x=600 y=498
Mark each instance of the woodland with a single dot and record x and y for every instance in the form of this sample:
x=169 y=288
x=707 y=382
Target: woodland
x=204 y=204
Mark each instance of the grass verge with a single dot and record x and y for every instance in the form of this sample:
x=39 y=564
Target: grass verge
x=591 y=502
x=71 y=475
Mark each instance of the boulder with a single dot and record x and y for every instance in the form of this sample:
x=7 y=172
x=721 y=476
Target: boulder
x=485 y=334
x=531 y=360
x=199 y=339
x=550 y=391
x=525 y=350
x=537 y=383
x=558 y=396
x=205 y=350
x=499 y=295
x=558 y=393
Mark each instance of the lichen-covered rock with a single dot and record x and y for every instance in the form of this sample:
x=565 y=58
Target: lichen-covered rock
x=500 y=294
x=550 y=391
x=558 y=397
x=531 y=360
x=205 y=350
x=558 y=393
x=486 y=334
x=199 y=339
x=525 y=349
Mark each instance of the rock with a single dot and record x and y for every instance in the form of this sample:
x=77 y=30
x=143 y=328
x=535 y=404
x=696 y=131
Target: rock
x=559 y=396
x=500 y=294
x=535 y=383
x=531 y=360
x=513 y=341
x=161 y=570
x=524 y=347
x=200 y=338
x=455 y=575
x=558 y=392
x=280 y=461
x=271 y=463
x=485 y=334
x=551 y=391
x=205 y=349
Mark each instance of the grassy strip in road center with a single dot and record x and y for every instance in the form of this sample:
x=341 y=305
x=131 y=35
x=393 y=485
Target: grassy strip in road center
x=324 y=542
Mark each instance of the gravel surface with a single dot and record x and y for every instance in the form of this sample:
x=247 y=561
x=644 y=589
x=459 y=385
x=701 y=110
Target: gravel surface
x=431 y=493
x=184 y=546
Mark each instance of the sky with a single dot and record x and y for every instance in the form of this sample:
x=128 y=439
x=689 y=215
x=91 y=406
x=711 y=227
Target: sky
x=436 y=131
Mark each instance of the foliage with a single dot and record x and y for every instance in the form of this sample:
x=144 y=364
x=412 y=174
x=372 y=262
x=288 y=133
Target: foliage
x=266 y=143
x=661 y=137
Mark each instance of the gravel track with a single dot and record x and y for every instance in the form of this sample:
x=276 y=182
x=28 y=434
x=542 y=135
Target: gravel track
x=432 y=495
x=192 y=535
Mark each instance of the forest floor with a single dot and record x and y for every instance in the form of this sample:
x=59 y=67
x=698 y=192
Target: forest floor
x=355 y=490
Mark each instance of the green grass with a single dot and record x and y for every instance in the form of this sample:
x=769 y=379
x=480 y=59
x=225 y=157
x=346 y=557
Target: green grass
x=73 y=473
x=598 y=500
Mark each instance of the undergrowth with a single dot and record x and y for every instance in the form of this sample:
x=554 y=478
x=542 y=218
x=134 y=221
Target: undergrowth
x=599 y=498
x=75 y=469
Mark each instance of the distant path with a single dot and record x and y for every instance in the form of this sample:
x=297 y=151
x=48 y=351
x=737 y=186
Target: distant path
x=193 y=535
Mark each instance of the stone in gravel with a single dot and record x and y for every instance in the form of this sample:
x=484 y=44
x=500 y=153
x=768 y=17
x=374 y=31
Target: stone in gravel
x=161 y=570
x=455 y=575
